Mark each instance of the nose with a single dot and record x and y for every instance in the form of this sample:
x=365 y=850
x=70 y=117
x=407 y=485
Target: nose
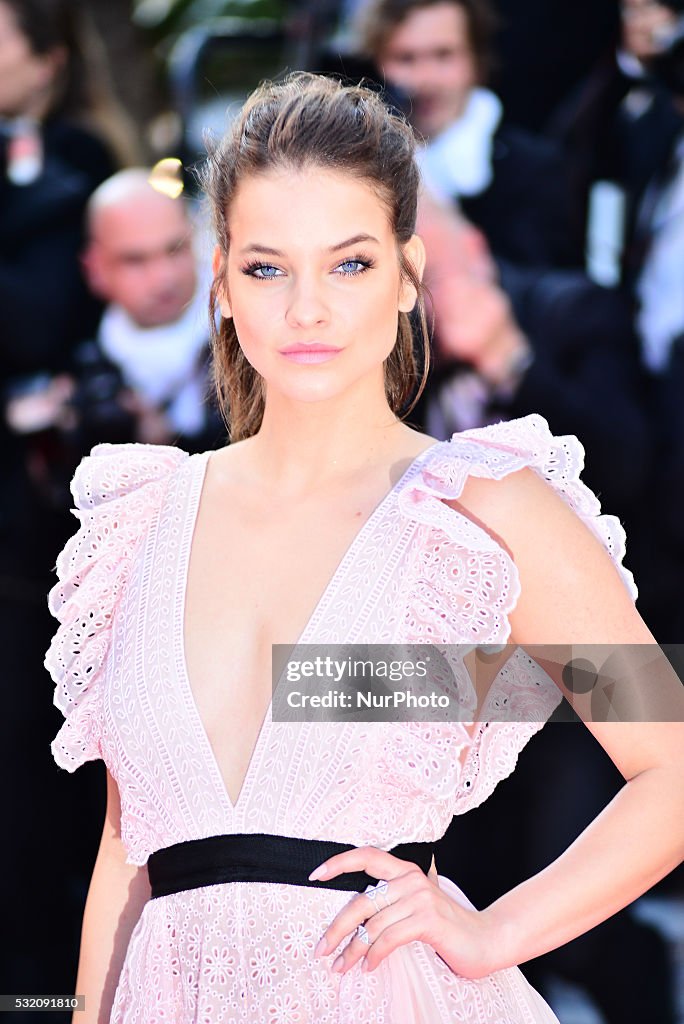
x=307 y=306
x=160 y=282
x=409 y=77
x=163 y=272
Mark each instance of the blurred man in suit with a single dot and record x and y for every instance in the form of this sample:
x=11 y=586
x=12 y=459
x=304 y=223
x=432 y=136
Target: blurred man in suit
x=141 y=260
x=508 y=182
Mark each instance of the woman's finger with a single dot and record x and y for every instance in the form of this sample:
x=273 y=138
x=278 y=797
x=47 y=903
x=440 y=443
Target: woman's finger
x=377 y=863
x=361 y=909
x=398 y=933
x=356 y=949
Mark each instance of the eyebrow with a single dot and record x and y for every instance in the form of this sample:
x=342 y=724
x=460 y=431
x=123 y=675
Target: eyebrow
x=354 y=240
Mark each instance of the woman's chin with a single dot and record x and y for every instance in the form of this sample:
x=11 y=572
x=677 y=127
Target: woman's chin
x=310 y=394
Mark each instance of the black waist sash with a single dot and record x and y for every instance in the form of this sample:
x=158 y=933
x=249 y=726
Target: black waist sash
x=261 y=857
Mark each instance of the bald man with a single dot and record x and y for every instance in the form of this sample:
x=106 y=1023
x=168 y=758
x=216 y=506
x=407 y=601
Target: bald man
x=140 y=259
x=139 y=252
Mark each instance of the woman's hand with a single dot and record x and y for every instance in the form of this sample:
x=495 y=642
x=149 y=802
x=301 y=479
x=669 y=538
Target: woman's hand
x=414 y=907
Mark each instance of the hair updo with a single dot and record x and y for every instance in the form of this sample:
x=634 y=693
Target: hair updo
x=312 y=121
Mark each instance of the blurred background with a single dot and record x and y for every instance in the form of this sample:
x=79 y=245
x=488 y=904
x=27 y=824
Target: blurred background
x=551 y=144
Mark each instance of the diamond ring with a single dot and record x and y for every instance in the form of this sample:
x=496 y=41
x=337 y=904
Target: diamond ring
x=374 y=891
x=362 y=933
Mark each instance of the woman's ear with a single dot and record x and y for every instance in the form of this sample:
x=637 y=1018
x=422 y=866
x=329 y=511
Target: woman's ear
x=414 y=253
x=218 y=266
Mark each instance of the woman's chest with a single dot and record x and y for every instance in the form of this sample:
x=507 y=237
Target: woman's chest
x=209 y=595
x=196 y=633
x=206 y=749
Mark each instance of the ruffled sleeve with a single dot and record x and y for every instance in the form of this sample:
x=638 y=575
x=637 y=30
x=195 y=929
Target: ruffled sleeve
x=504 y=447
x=117 y=490
x=467 y=584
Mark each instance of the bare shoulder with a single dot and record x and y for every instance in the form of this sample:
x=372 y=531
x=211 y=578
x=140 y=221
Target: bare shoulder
x=513 y=509
x=228 y=455
x=570 y=587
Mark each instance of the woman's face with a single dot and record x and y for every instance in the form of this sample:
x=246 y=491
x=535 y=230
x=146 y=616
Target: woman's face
x=313 y=281
x=25 y=77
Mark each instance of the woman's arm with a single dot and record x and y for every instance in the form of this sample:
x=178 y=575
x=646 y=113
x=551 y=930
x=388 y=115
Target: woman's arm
x=572 y=596
x=116 y=896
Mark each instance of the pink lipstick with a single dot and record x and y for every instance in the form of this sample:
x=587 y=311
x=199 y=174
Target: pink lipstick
x=315 y=353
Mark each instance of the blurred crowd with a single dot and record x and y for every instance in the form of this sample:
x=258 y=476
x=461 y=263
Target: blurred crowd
x=556 y=275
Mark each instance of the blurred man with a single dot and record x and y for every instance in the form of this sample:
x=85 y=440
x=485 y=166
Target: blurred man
x=507 y=182
x=140 y=259
x=657 y=251
x=617 y=130
x=561 y=346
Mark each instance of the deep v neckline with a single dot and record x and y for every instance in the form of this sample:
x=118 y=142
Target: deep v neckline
x=199 y=464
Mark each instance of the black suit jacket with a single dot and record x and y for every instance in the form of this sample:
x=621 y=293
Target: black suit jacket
x=45 y=308
x=601 y=140
x=524 y=211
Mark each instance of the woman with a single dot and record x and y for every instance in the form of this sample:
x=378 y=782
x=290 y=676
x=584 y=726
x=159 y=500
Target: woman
x=326 y=521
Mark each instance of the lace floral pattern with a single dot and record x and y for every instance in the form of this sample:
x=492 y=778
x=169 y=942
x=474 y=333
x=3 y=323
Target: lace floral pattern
x=418 y=572
x=117 y=489
x=466 y=585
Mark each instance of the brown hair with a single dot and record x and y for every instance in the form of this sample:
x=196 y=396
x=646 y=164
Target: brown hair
x=380 y=18
x=312 y=121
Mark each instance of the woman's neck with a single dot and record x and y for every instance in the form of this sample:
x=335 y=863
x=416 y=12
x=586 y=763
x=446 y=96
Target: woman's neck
x=302 y=442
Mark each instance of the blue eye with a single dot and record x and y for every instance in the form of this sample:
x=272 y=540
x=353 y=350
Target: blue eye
x=267 y=272
x=263 y=267
x=361 y=265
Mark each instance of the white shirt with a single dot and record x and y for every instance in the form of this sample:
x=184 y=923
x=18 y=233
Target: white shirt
x=458 y=161
x=161 y=363
x=661 y=284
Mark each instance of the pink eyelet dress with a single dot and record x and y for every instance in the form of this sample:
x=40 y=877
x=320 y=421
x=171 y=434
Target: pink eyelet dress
x=417 y=572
